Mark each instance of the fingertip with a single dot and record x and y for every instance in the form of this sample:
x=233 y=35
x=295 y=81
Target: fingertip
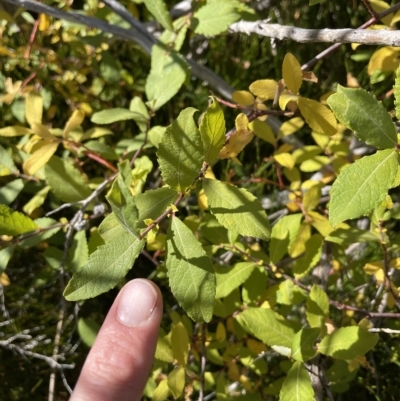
x=137 y=302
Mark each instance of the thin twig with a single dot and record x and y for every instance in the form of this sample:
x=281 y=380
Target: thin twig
x=368 y=6
x=203 y=360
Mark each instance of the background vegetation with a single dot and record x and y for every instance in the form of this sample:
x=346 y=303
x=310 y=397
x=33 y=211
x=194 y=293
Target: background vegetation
x=75 y=67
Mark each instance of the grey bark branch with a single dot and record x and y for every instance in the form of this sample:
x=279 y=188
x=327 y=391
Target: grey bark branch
x=366 y=37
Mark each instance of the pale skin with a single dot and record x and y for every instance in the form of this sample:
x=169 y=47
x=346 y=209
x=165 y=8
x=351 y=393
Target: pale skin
x=119 y=362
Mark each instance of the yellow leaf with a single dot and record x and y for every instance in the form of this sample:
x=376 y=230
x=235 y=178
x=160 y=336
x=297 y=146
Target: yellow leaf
x=74 y=121
x=157 y=243
x=375 y=268
x=14 y=130
x=261 y=106
x=298 y=246
x=395 y=19
x=311 y=197
x=292 y=74
x=287 y=100
x=5 y=51
x=44 y=22
x=314 y=164
x=256 y=347
x=33 y=108
x=320 y=223
x=321 y=140
x=263 y=131
x=180 y=343
x=4 y=279
x=238 y=140
x=264 y=88
x=290 y=127
x=294 y=177
x=286 y=147
x=162 y=391
x=318 y=116
x=176 y=381
x=220 y=334
x=243 y=97
x=202 y=200
x=395 y=263
x=241 y=121
x=285 y=160
x=380 y=6
x=42 y=131
x=384 y=59
x=42 y=155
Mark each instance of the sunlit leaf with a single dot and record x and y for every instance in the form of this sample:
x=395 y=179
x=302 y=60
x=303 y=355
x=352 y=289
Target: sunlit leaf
x=191 y=276
x=237 y=209
x=212 y=130
x=362 y=186
x=297 y=384
x=292 y=74
x=363 y=114
x=180 y=153
x=105 y=268
x=14 y=223
x=348 y=343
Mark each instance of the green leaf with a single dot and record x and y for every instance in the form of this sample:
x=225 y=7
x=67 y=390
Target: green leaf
x=232 y=277
x=212 y=129
x=303 y=344
x=180 y=153
x=79 y=252
x=167 y=74
x=362 y=113
x=266 y=326
x=290 y=294
x=313 y=2
x=14 y=223
x=191 y=276
x=237 y=209
x=254 y=287
x=110 y=228
x=105 y=268
x=159 y=11
x=351 y=235
x=284 y=232
x=176 y=381
x=5 y=256
x=362 y=186
x=348 y=343
x=7 y=165
x=118 y=114
x=152 y=203
x=215 y=18
x=123 y=205
x=317 y=307
x=44 y=223
x=109 y=68
x=10 y=191
x=66 y=182
x=396 y=89
x=88 y=329
x=297 y=385
x=311 y=256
